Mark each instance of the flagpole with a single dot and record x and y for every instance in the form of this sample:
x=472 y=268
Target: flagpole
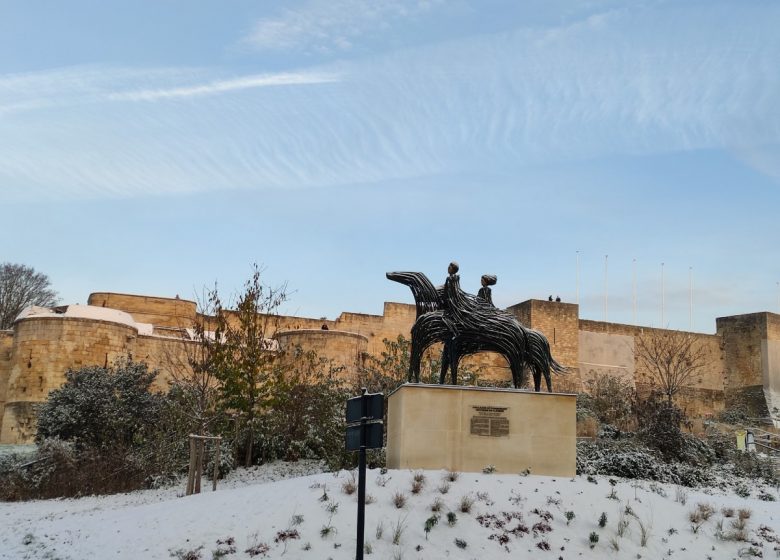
x=606 y=288
x=662 y=296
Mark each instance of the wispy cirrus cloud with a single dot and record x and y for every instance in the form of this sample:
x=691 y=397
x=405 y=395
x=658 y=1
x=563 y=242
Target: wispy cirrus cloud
x=226 y=86
x=604 y=85
x=332 y=25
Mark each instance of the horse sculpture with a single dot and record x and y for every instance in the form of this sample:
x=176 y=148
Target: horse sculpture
x=477 y=326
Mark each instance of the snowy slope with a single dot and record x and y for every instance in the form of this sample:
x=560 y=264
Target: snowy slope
x=158 y=524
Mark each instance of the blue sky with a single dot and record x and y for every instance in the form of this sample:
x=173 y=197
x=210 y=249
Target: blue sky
x=157 y=146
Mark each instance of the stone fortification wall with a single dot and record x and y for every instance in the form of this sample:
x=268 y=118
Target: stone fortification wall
x=749 y=347
x=770 y=364
x=159 y=311
x=345 y=349
x=610 y=348
x=559 y=322
x=742 y=359
x=43 y=349
x=6 y=346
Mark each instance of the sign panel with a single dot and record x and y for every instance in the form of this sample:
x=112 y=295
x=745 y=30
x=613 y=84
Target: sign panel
x=375 y=407
x=490 y=421
x=374 y=433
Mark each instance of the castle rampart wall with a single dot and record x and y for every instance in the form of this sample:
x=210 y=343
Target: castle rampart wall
x=610 y=348
x=165 y=312
x=43 y=349
x=742 y=361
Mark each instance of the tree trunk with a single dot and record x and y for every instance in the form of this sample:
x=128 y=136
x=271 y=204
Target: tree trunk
x=249 y=443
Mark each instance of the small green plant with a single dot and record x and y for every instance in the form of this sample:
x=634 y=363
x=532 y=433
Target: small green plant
x=452 y=519
x=430 y=523
x=332 y=507
x=569 y=515
x=593 y=538
x=296 y=520
x=324 y=497
x=645 y=530
x=327 y=530
x=603 y=519
x=622 y=526
x=460 y=543
x=398 y=530
x=672 y=531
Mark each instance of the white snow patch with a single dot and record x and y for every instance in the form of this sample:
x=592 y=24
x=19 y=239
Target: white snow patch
x=253 y=505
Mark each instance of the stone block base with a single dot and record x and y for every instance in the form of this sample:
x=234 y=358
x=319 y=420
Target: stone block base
x=468 y=428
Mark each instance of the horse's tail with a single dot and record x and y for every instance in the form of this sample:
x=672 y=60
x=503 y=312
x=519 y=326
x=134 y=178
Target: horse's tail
x=557 y=368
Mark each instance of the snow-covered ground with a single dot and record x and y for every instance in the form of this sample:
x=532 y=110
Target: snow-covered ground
x=513 y=516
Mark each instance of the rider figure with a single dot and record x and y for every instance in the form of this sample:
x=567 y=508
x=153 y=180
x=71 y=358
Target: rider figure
x=485 y=294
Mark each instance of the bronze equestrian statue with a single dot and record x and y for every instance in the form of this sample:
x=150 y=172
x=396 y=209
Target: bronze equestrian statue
x=466 y=324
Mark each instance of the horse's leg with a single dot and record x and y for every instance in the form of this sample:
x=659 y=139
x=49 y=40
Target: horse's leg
x=548 y=380
x=517 y=374
x=537 y=380
x=415 y=356
x=445 y=362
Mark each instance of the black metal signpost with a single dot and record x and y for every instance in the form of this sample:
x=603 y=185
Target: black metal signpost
x=364 y=431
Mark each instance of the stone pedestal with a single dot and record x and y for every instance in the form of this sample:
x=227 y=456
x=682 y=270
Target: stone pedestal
x=468 y=428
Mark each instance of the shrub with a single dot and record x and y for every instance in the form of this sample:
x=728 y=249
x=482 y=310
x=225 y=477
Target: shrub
x=399 y=500
x=593 y=538
x=102 y=407
x=659 y=424
x=569 y=515
x=466 y=503
x=349 y=486
x=460 y=543
x=452 y=519
x=610 y=400
x=603 y=520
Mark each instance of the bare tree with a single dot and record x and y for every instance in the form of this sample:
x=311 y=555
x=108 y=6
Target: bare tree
x=192 y=364
x=21 y=286
x=671 y=359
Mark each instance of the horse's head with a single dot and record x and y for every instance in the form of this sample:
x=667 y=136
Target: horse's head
x=425 y=295
x=405 y=278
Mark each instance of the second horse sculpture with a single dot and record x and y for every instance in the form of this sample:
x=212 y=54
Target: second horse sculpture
x=466 y=325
